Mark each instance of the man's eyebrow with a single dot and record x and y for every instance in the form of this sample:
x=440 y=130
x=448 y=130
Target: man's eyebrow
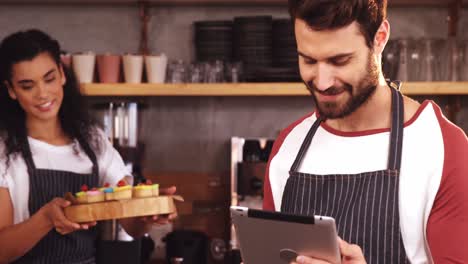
x=343 y=55
x=338 y=56
x=305 y=56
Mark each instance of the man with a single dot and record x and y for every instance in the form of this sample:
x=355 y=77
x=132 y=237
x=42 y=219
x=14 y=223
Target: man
x=391 y=171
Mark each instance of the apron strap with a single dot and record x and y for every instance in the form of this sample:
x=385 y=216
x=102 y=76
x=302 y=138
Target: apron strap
x=92 y=156
x=27 y=155
x=305 y=144
x=396 y=132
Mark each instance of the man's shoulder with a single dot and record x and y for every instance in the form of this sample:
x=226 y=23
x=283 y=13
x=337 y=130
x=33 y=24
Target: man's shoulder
x=450 y=131
x=455 y=141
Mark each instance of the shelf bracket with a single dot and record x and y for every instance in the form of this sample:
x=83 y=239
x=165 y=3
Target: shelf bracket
x=144 y=23
x=453 y=106
x=453 y=17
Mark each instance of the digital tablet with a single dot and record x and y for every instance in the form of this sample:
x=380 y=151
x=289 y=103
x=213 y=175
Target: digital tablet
x=273 y=237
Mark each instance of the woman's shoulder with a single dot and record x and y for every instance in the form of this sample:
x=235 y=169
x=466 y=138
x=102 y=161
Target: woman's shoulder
x=100 y=134
x=99 y=141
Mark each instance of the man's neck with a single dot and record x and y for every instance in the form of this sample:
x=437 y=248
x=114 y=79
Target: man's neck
x=49 y=131
x=373 y=114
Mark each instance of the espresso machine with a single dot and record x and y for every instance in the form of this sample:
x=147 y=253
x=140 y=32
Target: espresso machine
x=249 y=158
x=120 y=122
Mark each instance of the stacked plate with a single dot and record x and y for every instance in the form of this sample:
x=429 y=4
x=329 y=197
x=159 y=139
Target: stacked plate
x=213 y=40
x=284 y=44
x=253 y=43
x=276 y=74
x=285 y=60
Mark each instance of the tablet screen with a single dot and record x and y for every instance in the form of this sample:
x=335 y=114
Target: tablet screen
x=274 y=237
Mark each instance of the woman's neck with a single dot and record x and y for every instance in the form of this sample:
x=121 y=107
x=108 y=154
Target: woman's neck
x=49 y=131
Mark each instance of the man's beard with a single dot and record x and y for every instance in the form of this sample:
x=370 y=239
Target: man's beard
x=357 y=95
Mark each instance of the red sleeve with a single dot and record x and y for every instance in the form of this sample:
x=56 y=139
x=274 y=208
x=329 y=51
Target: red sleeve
x=268 y=202
x=447 y=228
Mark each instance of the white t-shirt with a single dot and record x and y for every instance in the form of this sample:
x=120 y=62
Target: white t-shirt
x=433 y=196
x=64 y=158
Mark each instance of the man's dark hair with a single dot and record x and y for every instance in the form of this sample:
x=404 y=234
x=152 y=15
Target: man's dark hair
x=334 y=14
x=74 y=118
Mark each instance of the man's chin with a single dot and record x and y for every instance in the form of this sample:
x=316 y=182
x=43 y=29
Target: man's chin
x=330 y=110
x=329 y=115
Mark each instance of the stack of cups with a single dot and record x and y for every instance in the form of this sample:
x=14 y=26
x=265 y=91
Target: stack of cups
x=109 y=68
x=156 y=68
x=133 y=68
x=83 y=66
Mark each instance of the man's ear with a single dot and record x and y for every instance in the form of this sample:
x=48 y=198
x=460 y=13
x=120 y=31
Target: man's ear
x=11 y=92
x=381 y=37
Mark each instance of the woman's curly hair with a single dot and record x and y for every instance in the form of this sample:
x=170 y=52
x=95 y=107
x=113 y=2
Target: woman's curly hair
x=74 y=118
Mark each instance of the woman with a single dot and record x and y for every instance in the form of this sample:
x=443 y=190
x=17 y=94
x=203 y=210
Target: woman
x=49 y=146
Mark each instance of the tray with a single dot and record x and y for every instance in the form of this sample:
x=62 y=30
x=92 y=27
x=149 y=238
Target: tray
x=121 y=209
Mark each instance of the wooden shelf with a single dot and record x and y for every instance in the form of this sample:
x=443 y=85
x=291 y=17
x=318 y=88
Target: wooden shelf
x=423 y=3
x=251 y=89
x=391 y=3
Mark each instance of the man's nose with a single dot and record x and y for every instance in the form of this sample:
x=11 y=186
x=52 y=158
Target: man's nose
x=325 y=78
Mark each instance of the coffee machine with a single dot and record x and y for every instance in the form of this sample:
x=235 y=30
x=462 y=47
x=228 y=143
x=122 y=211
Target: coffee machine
x=120 y=122
x=249 y=157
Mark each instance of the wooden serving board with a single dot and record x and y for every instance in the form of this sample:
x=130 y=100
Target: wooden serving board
x=121 y=209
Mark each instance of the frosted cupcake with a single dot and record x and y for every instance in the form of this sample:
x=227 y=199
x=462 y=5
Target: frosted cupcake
x=95 y=195
x=89 y=196
x=122 y=191
x=108 y=192
x=81 y=196
x=142 y=190
x=106 y=186
x=154 y=187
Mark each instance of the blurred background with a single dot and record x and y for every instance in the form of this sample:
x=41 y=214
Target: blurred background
x=215 y=148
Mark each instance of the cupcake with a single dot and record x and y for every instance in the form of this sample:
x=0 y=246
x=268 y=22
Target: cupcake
x=81 y=196
x=95 y=195
x=108 y=192
x=106 y=186
x=142 y=190
x=154 y=187
x=122 y=191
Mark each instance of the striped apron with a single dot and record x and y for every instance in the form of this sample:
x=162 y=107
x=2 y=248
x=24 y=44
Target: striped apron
x=364 y=205
x=45 y=185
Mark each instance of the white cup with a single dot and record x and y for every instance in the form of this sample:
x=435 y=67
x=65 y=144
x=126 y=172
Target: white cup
x=83 y=66
x=133 y=68
x=156 y=68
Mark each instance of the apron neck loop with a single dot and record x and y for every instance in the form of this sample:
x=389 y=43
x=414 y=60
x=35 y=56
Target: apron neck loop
x=27 y=155
x=92 y=156
x=28 y=158
x=396 y=131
